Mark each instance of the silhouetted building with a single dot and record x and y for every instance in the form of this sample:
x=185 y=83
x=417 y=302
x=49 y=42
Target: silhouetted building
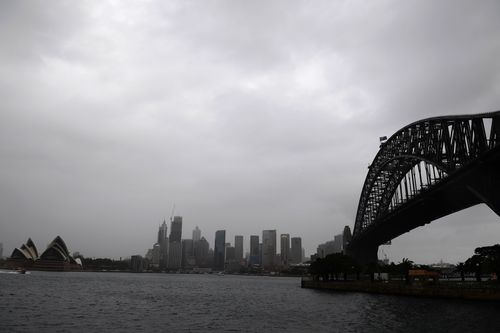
x=230 y=254
x=188 y=259
x=155 y=259
x=268 y=249
x=1 y=251
x=175 y=243
x=162 y=241
x=296 y=250
x=196 y=234
x=285 y=250
x=254 y=258
x=219 y=250
x=201 y=253
x=238 y=248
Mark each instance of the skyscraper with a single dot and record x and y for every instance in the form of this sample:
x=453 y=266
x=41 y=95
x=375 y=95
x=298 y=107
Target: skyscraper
x=296 y=254
x=254 y=250
x=1 y=250
x=201 y=248
x=175 y=243
x=238 y=248
x=196 y=234
x=163 y=242
x=268 y=249
x=188 y=259
x=285 y=249
x=219 y=250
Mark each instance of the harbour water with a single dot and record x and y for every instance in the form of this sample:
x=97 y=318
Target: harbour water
x=126 y=302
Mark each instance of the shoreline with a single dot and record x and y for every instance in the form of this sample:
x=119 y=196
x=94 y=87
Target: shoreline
x=466 y=291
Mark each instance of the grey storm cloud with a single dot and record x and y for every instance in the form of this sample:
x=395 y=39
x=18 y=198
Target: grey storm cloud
x=248 y=115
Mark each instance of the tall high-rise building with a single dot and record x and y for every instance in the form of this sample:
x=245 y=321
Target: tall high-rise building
x=162 y=233
x=268 y=249
x=1 y=250
x=285 y=249
x=175 y=243
x=254 y=258
x=219 y=250
x=156 y=256
x=196 y=234
x=201 y=248
x=188 y=259
x=230 y=254
x=296 y=250
x=163 y=242
x=238 y=248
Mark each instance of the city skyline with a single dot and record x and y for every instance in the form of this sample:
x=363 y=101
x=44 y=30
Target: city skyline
x=248 y=116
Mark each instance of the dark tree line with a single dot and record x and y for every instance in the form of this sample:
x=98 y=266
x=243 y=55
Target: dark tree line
x=486 y=260
x=334 y=267
x=104 y=264
x=338 y=266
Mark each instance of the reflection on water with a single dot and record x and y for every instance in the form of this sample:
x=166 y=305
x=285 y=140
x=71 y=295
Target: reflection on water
x=122 y=302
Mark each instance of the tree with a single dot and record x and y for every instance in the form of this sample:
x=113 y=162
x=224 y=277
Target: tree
x=404 y=268
x=489 y=258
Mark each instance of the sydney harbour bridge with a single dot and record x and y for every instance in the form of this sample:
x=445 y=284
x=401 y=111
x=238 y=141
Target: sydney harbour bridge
x=426 y=170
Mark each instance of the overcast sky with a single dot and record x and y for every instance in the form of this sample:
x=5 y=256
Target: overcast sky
x=248 y=115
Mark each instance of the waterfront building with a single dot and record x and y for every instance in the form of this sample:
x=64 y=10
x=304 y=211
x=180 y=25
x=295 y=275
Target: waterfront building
x=149 y=255
x=156 y=253
x=23 y=256
x=238 y=248
x=219 y=250
x=268 y=249
x=230 y=254
x=254 y=258
x=285 y=250
x=188 y=259
x=296 y=250
x=55 y=258
x=162 y=241
x=1 y=250
x=201 y=253
x=175 y=243
x=196 y=234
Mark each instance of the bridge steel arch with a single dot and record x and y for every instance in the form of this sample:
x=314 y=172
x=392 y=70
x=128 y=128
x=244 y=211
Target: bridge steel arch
x=427 y=170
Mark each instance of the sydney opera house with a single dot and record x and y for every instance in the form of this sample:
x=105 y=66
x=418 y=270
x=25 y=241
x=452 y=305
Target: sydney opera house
x=55 y=258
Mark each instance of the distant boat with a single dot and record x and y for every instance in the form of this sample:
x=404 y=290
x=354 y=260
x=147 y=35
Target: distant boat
x=16 y=271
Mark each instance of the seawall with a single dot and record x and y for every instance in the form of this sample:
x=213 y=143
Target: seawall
x=467 y=291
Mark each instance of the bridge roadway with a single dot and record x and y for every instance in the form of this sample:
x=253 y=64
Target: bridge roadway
x=477 y=182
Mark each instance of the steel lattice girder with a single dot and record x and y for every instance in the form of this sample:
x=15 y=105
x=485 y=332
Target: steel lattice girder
x=448 y=143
